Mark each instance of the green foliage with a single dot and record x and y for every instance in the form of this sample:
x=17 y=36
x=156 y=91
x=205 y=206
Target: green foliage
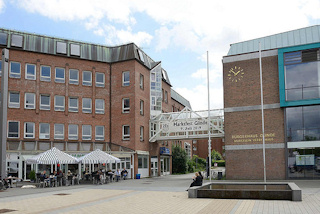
x=191 y=166
x=216 y=155
x=221 y=163
x=199 y=163
x=32 y=175
x=179 y=160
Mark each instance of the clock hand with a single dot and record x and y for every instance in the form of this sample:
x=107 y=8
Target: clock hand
x=236 y=73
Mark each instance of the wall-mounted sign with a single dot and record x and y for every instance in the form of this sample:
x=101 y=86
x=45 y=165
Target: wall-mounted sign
x=164 y=151
x=182 y=126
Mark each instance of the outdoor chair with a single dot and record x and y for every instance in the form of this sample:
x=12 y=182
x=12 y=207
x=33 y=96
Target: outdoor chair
x=41 y=182
x=70 y=180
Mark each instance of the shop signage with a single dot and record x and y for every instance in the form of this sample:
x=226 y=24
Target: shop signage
x=182 y=126
x=164 y=151
x=253 y=138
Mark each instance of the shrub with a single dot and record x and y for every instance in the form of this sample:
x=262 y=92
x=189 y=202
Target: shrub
x=179 y=160
x=32 y=175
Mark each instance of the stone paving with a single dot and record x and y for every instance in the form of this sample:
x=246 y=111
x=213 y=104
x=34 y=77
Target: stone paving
x=149 y=195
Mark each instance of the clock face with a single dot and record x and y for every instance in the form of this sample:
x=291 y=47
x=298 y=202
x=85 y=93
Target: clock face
x=235 y=74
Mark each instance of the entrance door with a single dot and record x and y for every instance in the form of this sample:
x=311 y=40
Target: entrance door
x=154 y=167
x=162 y=166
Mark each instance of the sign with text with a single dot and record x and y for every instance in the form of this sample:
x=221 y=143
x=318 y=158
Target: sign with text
x=164 y=151
x=182 y=126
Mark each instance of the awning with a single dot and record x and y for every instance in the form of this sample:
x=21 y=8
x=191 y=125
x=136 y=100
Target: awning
x=52 y=156
x=98 y=156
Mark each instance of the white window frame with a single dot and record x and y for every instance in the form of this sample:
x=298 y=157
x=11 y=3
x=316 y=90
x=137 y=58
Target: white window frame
x=8 y=133
x=125 y=109
x=56 y=107
x=45 y=78
x=86 y=109
x=99 y=137
x=13 y=104
x=30 y=76
x=44 y=135
x=45 y=106
x=99 y=110
x=59 y=79
x=141 y=82
x=29 y=135
x=125 y=83
x=125 y=136
x=141 y=133
x=73 y=136
x=30 y=105
x=12 y=74
x=86 y=136
x=73 y=108
x=74 y=81
x=141 y=107
x=56 y=135
x=86 y=82
x=100 y=84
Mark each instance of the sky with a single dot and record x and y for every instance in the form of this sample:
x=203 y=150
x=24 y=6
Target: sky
x=179 y=33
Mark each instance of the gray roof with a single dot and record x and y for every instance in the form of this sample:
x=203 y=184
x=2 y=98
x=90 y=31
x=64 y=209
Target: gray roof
x=301 y=36
x=177 y=97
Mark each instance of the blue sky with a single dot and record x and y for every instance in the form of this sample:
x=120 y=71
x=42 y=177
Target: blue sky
x=176 y=32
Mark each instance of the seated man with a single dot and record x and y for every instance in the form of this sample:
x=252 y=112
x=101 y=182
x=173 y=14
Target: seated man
x=124 y=173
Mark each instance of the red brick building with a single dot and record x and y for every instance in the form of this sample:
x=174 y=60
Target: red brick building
x=79 y=97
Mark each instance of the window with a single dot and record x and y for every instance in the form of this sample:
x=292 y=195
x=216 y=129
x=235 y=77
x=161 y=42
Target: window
x=58 y=103
x=87 y=78
x=141 y=133
x=45 y=73
x=58 y=131
x=28 y=130
x=75 y=49
x=15 y=70
x=73 y=132
x=125 y=105
x=13 y=129
x=86 y=105
x=100 y=79
x=74 y=76
x=141 y=107
x=141 y=81
x=140 y=55
x=3 y=38
x=44 y=102
x=166 y=97
x=73 y=104
x=44 y=131
x=14 y=100
x=126 y=78
x=16 y=40
x=30 y=99
x=62 y=47
x=143 y=161
x=99 y=106
x=30 y=71
x=0 y=67
x=125 y=132
x=99 y=133
x=59 y=75
x=86 y=132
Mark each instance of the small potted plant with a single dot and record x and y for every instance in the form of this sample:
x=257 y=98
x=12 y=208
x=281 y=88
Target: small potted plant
x=32 y=176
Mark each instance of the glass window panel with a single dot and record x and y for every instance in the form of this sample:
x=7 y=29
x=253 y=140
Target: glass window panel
x=74 y=76
x=44 y=102
x=0 y=67
x=14 y=100
x=75 y=49
x=99 y=106
x=99 y=135
x=15 y=70
x=86 y=105
x=100 y=79
x=44 y=131
x=87 y=78
x=59 y=78
x=73 y=104
x=126 y=78
x=59 y=103
x=44 y=146
x=58 y=131
x=62 y=47
x=125 y=105
x=145 y=162
x=141 y=81
x=30 y=71
x=3 y=38
x=29 y=146
x=86 y=132
x=73 y=132
x=29 y=101
x=16 y=40
x=13 y=129
x=126 y=132
x=45 y=73
x=141 y=107
x=28 y=130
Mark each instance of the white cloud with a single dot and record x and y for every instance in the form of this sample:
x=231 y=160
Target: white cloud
x=2 y=5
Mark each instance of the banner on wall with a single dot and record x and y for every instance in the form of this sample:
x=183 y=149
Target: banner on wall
x=304 y=160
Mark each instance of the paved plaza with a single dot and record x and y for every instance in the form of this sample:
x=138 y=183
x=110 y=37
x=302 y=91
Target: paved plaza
x=149 y=195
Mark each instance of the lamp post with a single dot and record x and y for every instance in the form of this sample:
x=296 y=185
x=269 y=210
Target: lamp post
x=209 y=140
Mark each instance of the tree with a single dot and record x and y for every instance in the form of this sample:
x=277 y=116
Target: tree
x=216 y=155
x=179 y=160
